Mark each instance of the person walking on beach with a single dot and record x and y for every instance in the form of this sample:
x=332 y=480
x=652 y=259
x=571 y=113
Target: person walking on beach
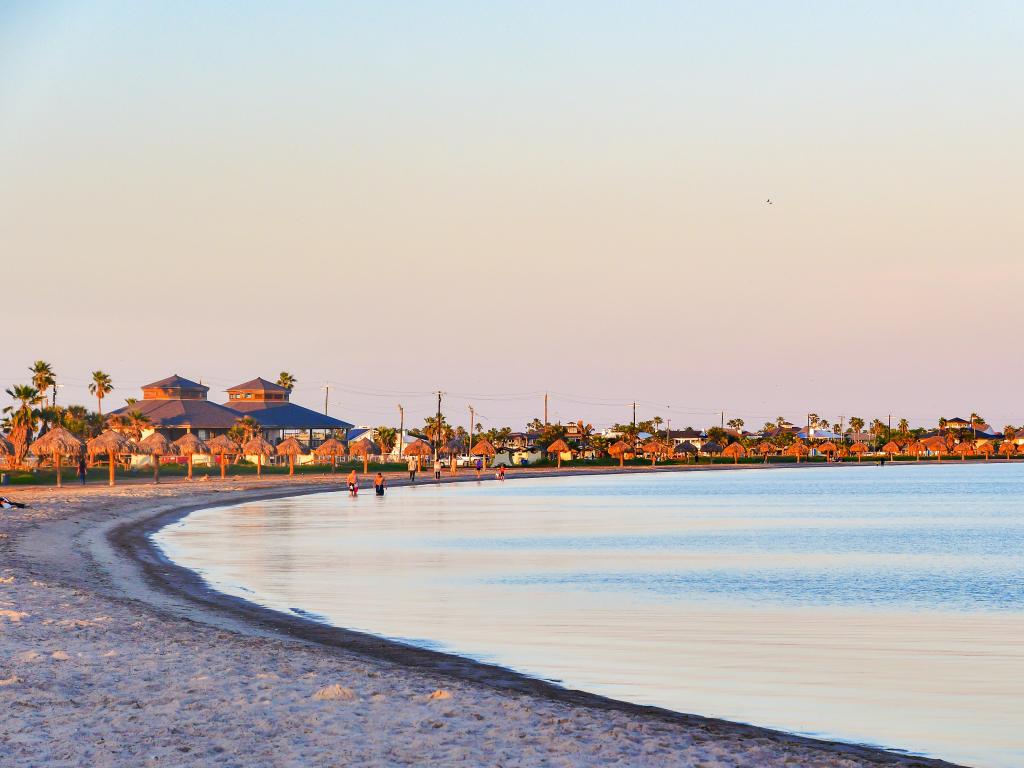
x=353 y=483
x=501 y=472
x=378 y=484
x=82 y=469
x=479 y=467
x=412 y=464
x=437 y=468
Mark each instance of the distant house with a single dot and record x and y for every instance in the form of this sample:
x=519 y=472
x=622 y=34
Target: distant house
x=177 y=405
x=693 y=436
x=268 y=403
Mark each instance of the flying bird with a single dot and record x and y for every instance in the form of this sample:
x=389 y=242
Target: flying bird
x=769 y=201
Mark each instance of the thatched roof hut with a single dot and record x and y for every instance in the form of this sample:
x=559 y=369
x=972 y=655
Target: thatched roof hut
x=916 y=448
x=735 y=451
x=418 y=448
x=57 y=443
x=111 y=443
x=189 y=445
x=1008 y=448
x=483 y=448
x=363 y=447
x=157 y=445
x=259 y=448
x=798 y=449
x=860 y=449
x=332 y=449
x=892 y=447
x=655 y=446
x=619 y=448
x=685 y=448
x=291 y=447
x=828 y=448
x=986 y=449
x=935 y=443
x=223 y=446
x=711 y=447
x=766 y=447
x=558 y=448
x=964 y=449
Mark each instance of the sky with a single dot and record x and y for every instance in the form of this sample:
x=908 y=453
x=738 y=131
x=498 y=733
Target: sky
x=495 y=200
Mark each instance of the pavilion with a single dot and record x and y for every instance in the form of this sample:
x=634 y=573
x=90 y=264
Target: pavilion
x=177 y=405
x=268 y=403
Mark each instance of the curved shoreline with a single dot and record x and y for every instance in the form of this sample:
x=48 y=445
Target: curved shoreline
x=161 y=584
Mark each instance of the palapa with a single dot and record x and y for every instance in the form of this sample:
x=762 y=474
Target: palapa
x=111 y=443
x=332 y=448
x=797 y=449
x=291 y=447
x=986 y=449
x=736 y=451
x=189 y=445
x=917 y=448
x=419 y=449
x=828 y=448
x=484 y=449
x=223 y=446
x=711 y=447
x=654 y=448
x=364 y=447
x=157 y=445
x=964 y=449
x=686 y=449
x=1008 y=448
x=860 y=449
x=259 y=448
x=619 y=448
x=57 y=443
x=891 y=447
x=558 y=447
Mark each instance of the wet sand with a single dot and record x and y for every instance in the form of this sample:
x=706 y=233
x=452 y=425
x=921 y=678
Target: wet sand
x=111 y=656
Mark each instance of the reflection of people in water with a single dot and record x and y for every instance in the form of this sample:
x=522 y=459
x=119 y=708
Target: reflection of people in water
x=378 y=484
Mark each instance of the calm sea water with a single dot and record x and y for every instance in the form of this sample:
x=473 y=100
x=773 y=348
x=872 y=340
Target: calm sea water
x=874 y=605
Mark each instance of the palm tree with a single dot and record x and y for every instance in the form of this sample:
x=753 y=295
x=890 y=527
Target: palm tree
x=903 y=427
x=21 y=421
x=856 y=424
x=736 y=424
x=386 y=439
x=435 y=434
x=101 y=386
x=131 y=424
x=248 y=428
x=975 y=421
x=43 y=378
x=287 y=381
x=1009 y=432
x=942 y=423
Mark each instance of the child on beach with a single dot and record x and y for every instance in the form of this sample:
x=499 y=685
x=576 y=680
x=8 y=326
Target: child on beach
x=378 y=484
x=501 y=472
x=353 y=483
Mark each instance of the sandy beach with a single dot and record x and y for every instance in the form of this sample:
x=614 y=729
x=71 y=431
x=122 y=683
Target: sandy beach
x=109 y=656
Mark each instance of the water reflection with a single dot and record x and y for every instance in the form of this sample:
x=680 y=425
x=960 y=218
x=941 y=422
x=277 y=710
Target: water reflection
x=880 y=606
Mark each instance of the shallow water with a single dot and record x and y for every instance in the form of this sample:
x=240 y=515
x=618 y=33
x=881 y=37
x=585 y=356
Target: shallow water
x=875 y=605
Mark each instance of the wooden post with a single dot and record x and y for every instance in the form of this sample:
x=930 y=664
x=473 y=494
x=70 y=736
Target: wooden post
x=223 y=465
x=291 y=465
x=57 y=457
x=622 y=459
x=110 y=455
x=259 y=465
x=190 y=466
x=559 y=460
x=156 y=468
x=366 y=462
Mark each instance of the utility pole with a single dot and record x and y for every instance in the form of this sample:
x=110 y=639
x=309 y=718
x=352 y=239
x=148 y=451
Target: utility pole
x=545 y=409
x=472 y=420
x=401 y=430
x=634 y=413
x=437 y=428
x=327 y=392
x=723 y=420
x=889 y=435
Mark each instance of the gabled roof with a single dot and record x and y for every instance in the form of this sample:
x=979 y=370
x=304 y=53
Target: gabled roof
x=198 y=414
x=280 y=414
x=685 y=433
x=259 y=384
x=175 y=382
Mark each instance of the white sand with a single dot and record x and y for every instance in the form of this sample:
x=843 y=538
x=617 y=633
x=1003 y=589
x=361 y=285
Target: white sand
x=91 y=677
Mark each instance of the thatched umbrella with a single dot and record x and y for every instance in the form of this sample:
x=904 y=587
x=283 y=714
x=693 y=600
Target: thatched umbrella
x=828 y=448
x=686 y=449
x=935 y=444
x=291 y=447
x=330 y=448
x=798 y=449
x=736 y=451
x=620 y=449
x=986 y=449
x=891 y=447
x=57 y=443
x=111 y=443
x=558 y=447
x=860 y=449
x=223 y=446
x=189 y=445
x=419 y=449
x=964 y=449
x=364 y=447
x=1007 y=448
x=916 y=449
x=483 y=448
x=711 y=447
x=157 y=445
x=259 y=448
x=654 y=448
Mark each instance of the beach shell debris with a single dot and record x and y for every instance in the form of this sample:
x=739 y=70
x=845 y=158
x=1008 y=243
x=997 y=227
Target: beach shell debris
x=439 y=694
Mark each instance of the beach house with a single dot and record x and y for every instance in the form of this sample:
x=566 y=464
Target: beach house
x=177 y=405
x=269 y=404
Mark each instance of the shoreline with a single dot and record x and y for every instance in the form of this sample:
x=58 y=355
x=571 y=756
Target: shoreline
x=132 y=572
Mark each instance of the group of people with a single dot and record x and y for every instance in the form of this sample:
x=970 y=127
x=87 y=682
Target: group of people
x=380 y=482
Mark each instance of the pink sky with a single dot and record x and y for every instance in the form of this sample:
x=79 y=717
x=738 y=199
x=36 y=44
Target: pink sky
x=573 y=204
